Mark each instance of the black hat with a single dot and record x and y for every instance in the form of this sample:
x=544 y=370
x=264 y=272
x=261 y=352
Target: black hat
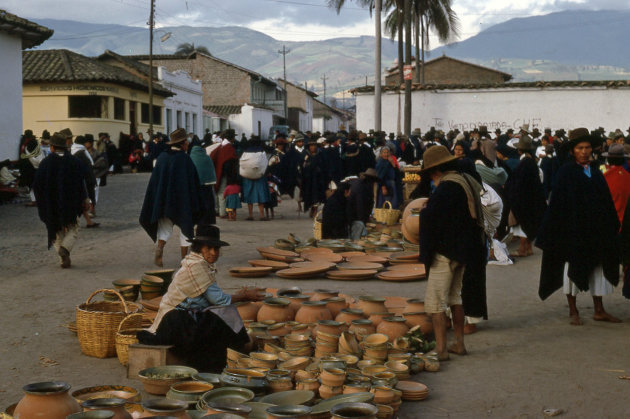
x=89 y=138
x=58 y=140
x=579 y=135
x=79 y=139
x=29 y=134
x=46 y=135
x=209 y=235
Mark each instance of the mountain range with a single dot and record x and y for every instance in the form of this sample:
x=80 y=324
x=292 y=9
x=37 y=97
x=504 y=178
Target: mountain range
x=569 y=45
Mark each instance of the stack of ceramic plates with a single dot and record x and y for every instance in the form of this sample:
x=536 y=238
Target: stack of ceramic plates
x=302 y=273
x=250 y=271
x=403 y=275
x=322 y=257
x=348 y=344
x=279 y=254
x=367 y=258
x=407 y=267
x=412 y=391
x=352 y=275
x=404 y=257
x=275 y=265
x=316 y=264
x=298 y=345
x=359 y=265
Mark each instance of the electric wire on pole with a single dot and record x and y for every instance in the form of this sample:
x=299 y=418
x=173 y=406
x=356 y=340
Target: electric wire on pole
x=284 y=53
x=151 y=25
x=324 y=80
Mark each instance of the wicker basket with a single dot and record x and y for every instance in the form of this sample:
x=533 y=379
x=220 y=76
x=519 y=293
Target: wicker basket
x=127 y=335
x=97 y=323
x=317 y=226
x=387 y=216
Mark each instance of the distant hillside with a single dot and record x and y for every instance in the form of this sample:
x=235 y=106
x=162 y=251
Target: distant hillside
x=571 y=45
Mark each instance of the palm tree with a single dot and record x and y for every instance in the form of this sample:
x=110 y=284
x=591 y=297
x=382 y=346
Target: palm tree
x=190 y=48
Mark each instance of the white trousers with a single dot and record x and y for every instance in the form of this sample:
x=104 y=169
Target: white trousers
x=66 y=239
x=165 y=230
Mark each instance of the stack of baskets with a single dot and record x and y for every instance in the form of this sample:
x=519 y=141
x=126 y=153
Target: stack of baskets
x=98 y=322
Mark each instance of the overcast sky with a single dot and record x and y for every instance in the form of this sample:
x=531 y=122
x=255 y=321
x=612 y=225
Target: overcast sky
x=290 y=20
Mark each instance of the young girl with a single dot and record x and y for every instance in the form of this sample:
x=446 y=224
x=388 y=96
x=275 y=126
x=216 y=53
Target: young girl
x=232 y=195
x=274 y=192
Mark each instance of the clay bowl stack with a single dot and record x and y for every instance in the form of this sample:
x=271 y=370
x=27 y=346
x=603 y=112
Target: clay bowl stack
x=151 y=286
x=275 y=265
x=375 y=347
x=279 y=254
x=129 y=294
x=165 y=274
x=250 y=271
x=233 y=358
x=325 y=344
x=298 y=345
x=399 y=368
x=348 y=344
x=412 y=391
x=332 y=380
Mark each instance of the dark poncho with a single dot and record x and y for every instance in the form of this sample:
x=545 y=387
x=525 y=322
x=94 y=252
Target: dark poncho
x=173 y=192
x=580 y=227
x=334 y=223
x=526 y=196
x=60 y=190
x=313 y=180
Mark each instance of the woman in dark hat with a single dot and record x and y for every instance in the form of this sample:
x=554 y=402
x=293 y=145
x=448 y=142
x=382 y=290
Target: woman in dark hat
x=578 y=235
x=189 y=318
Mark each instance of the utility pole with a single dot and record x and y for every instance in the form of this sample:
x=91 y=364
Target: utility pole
x=284 y=53
x=377 y=73
x=324 y=79
x=151 y=26
x=407 y=16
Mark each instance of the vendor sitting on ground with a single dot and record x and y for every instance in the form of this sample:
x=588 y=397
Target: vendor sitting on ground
x=195 y=315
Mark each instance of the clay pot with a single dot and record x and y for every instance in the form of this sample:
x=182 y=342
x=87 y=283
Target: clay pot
x=322 y=294
x=348 y=314
x=332 y=327
x=382 y=395
x=377 y=318
x=296 y=301
x=164 y=407
x=288 y=411
x=277 y=309
x=411 y=220
x=336 y=304
x=247 y=310
x=308 y=384
x=418 y=318
x=48 y=399
x=356 y=387
x=279 y=329
x=354 y=411
x=278 y=384
x=393 y=327
x=370 y=304
x=326 y=392
x=414 y=305
x=333 y=377
x=117 y=406
x=313 y=311
x=362 y=327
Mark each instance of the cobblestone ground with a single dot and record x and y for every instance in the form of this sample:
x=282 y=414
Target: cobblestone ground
x=524 y=359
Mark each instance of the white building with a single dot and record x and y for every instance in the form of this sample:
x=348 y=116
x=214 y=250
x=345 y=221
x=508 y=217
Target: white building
x=185 y=108
x=327 y=118
x=16 y=34
x=557 y=104
x=251 y=120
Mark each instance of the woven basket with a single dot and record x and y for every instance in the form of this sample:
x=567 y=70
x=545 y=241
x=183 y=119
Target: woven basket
x=317 y=226
x=127 y=335
x=97 y=323
x=388 y=216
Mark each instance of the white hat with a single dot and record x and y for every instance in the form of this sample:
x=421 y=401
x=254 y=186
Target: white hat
x=321 y=140
x=460 y=136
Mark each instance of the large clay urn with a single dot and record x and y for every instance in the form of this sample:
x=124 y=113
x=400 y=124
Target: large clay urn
x=370 y=304
x=312 y=312
x=393 y=327
x=296 y=301
x=348 y=314
x=414 y=305
x=165 y=407
x=48 y=400
x=247 y=309
x=418 y=318
x=321 y=294
x=336 y=304
x=411 y=220
x=277 y=309
x=377 y=318
x=362 y=327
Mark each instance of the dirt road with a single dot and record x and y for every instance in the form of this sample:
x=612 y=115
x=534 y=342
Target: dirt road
x=524 y=359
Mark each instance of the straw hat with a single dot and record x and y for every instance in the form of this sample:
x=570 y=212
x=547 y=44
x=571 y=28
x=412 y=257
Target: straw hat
x=436 y=155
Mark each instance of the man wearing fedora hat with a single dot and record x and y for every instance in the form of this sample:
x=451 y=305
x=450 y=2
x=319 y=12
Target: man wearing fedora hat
x=578 y=235
x=451 y=237
x=61 y=195
x=360 y=202
x=525 y=197
x=173 y=196
x=617 y=178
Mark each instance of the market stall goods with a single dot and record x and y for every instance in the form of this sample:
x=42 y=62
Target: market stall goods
x=49 y=399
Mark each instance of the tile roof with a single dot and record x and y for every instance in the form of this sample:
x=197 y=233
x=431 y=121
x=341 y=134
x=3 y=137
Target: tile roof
x=31 y=33
x=61 y=65
x=506 y=76
x=309 y=92
x=224 y=110
x=126 y=60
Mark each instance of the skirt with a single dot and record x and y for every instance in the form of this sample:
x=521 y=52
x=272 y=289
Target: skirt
x=255 y=191
x=597 y=284
x=233 y=201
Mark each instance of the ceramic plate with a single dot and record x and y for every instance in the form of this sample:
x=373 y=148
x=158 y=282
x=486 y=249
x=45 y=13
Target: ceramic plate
x=411 y=387
x=402 y=276
x=326 y=405
x=317 y=250
x=276 y=251
x=289 y=397
x=352 y=254
x=121 y=392
x=316 y=264
x=153 y=304
x=236 y=395
x=352 y=275
x=353 y=266
x=258 y=409
x=273 y=264
x=281 y=258
x=367 y=258
x=326 y=257
x=406 y=267
x=250 y=271
x=302 y=272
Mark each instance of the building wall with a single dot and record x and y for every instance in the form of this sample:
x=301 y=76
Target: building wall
x=248 y=120
x=45 y=106
x=11 y=93
x=188 y=98
x=447 y=71
x=222 y=84
x=551 y=107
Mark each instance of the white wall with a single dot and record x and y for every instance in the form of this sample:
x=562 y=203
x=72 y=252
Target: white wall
x=322 y=125
x=550 y=107
x=11 y=94
x=188 y=99
x=247 y=121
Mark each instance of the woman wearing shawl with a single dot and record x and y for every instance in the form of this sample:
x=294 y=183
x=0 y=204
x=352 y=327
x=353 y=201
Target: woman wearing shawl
x=253 y=165
x=195 y=315
x=386 y=168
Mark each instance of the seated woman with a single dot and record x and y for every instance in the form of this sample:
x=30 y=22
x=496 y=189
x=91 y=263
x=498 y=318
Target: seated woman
x=334 y=215
x=195 y=315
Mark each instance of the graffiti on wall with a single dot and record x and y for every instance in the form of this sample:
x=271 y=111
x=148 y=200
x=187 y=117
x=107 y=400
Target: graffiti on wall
x=447 y=125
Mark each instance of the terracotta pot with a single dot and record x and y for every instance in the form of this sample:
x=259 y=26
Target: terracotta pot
x=348 y=314
x=278 y=384
x=164 y=407
x=418 y=318
x=322 y=294
x=296 y=301
x=336 y=304
x=377 y=318
x=411 y=220
x=288 y=411
x=117 y=406
x=370 y=304
x=333 y=377
x=414 y=305
x=362 y=327
x=326 y=392
x=277 y=309
x=393 y=327
x=312 y=312
x=354 y=411
x=46 y=400
x=247 y=310
x=278 y=329
x=356 y=387
x=382 y=395
x=332 y=327
x=311 y=384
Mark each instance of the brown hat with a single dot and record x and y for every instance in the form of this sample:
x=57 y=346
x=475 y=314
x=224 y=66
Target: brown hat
x=436 y=155
x=525 y=143
x=66 y=132
x=370 y=172
x=178 y=136
x=58 y=140
x=579 y=135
